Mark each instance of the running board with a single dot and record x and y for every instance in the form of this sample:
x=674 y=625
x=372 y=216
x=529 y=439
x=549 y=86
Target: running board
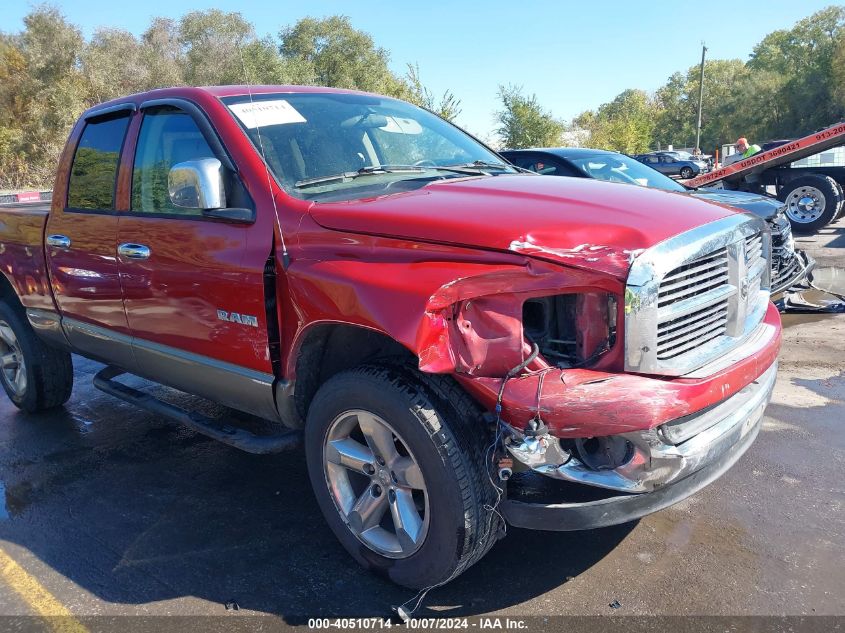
x=233 y=436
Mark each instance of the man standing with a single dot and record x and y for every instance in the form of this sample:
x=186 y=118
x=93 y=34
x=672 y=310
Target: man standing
x=744 y=149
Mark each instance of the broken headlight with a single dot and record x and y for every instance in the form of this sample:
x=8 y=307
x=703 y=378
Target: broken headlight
x=571 y=330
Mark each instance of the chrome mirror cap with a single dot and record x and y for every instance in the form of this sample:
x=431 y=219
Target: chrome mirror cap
x=197 y=184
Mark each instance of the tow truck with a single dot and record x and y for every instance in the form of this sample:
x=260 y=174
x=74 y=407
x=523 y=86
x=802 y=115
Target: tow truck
x=813 y=195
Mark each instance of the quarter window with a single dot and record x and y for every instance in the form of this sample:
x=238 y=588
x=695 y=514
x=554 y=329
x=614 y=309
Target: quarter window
x=168 y=136
x=95 y=163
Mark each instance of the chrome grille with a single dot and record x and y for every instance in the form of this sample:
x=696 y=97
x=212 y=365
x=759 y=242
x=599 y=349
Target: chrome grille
x=695 y=329
x=693 y=304
x=694 y=278
x=753 y=247
x=785 y=265
x=680 y=317
x=783 y=271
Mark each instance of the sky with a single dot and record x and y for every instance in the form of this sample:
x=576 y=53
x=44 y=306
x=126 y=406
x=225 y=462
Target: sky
x=573 y=55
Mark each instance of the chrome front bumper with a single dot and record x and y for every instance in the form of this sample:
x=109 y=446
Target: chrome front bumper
x=666 y=464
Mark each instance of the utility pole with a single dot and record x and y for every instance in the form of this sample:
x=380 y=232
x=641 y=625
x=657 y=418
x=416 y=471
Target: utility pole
x=700 y=97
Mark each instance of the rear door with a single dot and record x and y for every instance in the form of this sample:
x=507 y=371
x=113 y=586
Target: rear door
x=80 y=241
x=193 y=286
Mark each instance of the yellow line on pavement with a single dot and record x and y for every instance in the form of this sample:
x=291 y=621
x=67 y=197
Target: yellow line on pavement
x=45 y=604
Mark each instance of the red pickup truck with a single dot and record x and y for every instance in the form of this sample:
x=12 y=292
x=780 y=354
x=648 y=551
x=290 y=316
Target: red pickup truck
x=435 y=329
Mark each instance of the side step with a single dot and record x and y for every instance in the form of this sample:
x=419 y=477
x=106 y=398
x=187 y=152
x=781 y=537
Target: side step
x=239 y=438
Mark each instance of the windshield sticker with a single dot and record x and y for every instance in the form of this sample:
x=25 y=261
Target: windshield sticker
x=264 y=113
x=398 y=125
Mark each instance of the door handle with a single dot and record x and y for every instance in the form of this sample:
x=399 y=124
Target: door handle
x=134 y=251
x=58 y=241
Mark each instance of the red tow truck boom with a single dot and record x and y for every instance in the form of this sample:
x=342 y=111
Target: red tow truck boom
x=776 y=157
x=813 y=195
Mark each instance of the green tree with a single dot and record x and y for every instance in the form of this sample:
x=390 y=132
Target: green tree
x=213 y=41
x=114 y=64
x=803 y=57
x=728 y=90
x=522 y=122
x=838 y=76
x=677 y=104
x=448 y=106
x=626 y=124
x=163 y=55
x=42 y=93
x=339 y=55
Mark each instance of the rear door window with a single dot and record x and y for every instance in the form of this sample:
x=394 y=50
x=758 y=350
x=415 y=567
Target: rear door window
x=94 y=172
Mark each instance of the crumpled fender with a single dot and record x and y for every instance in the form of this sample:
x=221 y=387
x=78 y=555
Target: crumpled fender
x=473 y=325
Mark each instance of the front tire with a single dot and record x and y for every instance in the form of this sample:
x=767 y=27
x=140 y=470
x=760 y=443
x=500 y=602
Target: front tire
x=397 y=462
x=686 y=173
x=812 y=202
x=35 y=376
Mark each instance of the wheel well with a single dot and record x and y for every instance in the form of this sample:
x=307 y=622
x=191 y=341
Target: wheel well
x=8 y=294
x=329 y=349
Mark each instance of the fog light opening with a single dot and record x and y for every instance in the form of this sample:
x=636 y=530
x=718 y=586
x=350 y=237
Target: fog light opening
x=604 y=453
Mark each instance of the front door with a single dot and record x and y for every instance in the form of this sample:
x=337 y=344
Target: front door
x=193 y=286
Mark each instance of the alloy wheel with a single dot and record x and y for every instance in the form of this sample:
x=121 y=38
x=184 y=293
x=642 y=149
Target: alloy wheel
x=376 y=484
x=12 y=365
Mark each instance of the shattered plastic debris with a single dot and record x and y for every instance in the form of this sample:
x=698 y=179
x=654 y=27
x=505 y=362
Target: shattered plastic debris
x=810 y=301
x=615 y=604
x=824 y=292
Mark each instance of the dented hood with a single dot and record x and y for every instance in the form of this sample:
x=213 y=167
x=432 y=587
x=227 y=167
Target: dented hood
x=578 y=222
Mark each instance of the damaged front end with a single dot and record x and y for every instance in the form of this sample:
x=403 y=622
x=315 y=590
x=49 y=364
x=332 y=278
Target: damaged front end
x=486 y=325
x=647 y=390
x=646 y=460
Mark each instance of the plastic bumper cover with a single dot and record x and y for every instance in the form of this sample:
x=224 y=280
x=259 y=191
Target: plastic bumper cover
x=729 y=430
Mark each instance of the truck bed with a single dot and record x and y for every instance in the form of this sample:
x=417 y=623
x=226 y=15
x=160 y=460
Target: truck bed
x=22 y=261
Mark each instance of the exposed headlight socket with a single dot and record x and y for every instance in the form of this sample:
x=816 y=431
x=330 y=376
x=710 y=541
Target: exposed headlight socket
x=571 y=330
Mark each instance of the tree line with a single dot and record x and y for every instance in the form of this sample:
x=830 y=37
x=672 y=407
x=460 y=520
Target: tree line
x=794 y=82
x=50 y=74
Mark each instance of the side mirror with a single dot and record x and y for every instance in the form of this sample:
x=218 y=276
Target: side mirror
x=197 y=184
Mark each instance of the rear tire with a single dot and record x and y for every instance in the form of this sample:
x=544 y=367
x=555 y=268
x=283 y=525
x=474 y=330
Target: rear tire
x=35 y=376
x=435 y=425
x=811 y=202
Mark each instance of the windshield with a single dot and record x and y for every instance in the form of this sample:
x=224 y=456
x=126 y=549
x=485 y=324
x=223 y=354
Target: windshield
x=624 y=169
x=329 y=146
